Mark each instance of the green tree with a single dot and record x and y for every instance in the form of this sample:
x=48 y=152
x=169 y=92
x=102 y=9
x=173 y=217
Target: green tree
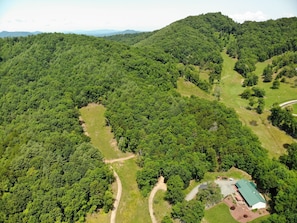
x=267 y=74
x=188 y=211
x=258 y=92
x=174 y=193
x=275 y=84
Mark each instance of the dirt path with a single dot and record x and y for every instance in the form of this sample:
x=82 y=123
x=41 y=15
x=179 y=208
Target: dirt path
x=120 y=159
x=120 y=188
x=159 y=186
x=117 y=200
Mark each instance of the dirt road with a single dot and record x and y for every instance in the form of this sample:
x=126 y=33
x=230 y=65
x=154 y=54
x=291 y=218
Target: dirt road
x=117 y=200
x=159 y=186
x=120 y=159
x=120 y=188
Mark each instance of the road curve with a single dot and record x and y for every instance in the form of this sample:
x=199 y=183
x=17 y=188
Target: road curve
x=287 y=103
x=120 y=188
x=159 y=186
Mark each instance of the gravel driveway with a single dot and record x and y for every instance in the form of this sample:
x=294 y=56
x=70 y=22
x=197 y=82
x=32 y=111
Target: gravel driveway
x=227 y=186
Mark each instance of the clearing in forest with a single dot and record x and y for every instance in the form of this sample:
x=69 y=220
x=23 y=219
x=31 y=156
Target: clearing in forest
x=133 y=206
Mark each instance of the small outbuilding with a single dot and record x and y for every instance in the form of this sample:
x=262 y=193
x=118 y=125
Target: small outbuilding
x=250 y=194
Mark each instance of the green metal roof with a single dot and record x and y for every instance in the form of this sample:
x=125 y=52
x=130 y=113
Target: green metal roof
x=249 y=192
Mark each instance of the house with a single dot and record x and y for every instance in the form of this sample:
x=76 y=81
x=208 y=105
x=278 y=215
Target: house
x=250 y=194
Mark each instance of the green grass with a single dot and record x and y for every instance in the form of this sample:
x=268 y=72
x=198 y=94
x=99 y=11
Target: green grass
x=219 y=214
x=270 y=137
x=294 y=108
x=186 y=88
x=161 y=207
x=286 y=92
x=100 y=134
x=133 y=206
x=260 y=219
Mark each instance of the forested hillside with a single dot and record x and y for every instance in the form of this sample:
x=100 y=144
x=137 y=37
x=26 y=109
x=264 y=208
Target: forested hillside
x=49 y=172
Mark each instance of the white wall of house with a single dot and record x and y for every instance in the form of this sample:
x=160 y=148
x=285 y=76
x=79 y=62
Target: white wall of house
x=259 y=205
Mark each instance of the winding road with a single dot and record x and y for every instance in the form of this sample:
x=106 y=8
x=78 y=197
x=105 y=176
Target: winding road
x=159 y=186
x=120 y=188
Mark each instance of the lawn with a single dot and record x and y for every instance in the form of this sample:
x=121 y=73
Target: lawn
x=219 y=214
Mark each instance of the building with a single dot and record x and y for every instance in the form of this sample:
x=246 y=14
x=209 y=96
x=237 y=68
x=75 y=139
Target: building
x=250 y=194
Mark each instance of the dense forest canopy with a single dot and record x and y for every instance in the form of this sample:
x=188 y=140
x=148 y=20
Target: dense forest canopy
x=49 y=172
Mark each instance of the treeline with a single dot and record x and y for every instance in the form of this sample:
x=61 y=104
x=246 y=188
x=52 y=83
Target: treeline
x=284 y=119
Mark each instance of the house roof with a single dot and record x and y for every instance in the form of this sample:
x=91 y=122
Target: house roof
x=249 y=192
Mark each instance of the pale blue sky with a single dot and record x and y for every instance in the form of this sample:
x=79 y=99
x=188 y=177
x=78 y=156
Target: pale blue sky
x=145 y=15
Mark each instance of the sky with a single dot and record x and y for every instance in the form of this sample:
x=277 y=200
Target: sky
x=141 y=15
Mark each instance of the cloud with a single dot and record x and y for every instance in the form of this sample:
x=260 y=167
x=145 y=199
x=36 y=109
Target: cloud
x=249 y=16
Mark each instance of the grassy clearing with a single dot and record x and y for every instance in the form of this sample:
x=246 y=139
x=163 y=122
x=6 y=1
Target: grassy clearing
x=219 y=214
x=161 y=207
x=286 y=92
x=186 y=88
x=100 y=134
x=133 y=206
x=271 y=137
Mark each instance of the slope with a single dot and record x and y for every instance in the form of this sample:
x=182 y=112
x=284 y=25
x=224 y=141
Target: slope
x=49 y=171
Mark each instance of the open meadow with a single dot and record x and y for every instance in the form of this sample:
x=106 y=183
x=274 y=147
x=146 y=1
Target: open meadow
x=230 y=89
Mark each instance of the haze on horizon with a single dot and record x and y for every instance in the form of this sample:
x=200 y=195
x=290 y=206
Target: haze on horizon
x=71 y=15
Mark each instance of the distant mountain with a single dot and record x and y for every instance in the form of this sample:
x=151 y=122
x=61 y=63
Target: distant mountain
x=104 y=32
x=101 y=33
x=4 y=34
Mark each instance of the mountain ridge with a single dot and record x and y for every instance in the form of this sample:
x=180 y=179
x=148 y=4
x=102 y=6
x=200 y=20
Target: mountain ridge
x=98 y=33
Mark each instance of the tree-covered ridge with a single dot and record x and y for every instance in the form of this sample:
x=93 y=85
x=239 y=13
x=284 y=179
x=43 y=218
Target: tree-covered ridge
x=130 y=39
x=259 y=41
x=49 y=172
x=193 y=40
